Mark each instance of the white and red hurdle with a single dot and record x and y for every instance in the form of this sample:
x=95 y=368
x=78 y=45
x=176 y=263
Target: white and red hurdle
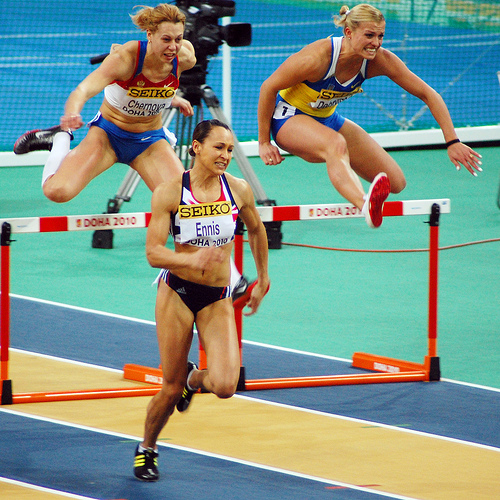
x=386 y=369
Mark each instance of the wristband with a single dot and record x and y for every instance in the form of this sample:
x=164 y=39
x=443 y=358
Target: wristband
x=454 y=141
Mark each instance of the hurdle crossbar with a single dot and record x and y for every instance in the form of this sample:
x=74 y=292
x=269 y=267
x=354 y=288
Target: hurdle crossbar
x=390 y=370
x=98 y=222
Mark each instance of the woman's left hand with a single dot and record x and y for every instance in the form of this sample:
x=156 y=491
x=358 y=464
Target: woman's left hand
x=258 y=292
x=183 y=104
x=461 y=154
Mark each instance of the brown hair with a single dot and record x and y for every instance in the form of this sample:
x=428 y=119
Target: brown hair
x=203 y=129
x=360 y=13
x=148 y=18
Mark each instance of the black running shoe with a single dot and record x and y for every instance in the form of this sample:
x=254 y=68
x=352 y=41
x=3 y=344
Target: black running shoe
x=240 y=288
x=146 y=465
x=187 y=394
x=37 y=140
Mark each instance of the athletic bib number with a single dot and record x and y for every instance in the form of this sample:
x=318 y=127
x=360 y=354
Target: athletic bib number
x=284 y=110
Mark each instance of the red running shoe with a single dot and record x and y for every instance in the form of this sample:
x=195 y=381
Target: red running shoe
x=374 y=204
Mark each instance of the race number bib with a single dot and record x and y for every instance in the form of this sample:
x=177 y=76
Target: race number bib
x=283 y=110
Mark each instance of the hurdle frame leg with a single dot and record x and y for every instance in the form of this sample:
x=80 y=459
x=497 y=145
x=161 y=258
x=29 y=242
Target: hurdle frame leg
x=6 y=387
x=430 y=366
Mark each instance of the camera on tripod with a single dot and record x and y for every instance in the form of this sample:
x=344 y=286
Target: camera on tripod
x=202 y=29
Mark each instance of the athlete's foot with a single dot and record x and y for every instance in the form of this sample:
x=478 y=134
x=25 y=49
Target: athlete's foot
x=187 y=393
x=374 y=202
x=146 y=464
x=37 y=140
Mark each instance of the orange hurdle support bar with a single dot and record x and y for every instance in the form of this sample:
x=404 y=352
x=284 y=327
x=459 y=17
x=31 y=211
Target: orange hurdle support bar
x=330 y=380
x=430 y=366
x=46 y=397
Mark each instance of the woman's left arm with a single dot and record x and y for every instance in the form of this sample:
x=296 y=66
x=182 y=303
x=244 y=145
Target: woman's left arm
x=390 y=65
x=187 y=57
x=187 y=60
x=257 y=238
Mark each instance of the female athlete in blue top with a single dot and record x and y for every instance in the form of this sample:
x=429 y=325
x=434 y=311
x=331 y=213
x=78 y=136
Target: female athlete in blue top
x=298 y=105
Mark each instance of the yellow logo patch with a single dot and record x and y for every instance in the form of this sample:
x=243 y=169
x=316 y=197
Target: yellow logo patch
x=151 y=93
x=215 y=209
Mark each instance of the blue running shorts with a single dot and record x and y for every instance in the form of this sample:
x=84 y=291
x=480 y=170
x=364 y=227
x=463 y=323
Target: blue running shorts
x=127 y=145
x=283 y=111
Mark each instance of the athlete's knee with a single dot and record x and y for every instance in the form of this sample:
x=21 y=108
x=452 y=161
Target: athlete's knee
x=165 y=400
x=171 y=392
x=225 y=388
x=398 y=183
x=335 y=144
x=57 y=193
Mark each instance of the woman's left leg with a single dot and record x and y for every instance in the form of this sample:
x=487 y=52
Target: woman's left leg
x=217 y=331
x=157 y=164
x=368 y=158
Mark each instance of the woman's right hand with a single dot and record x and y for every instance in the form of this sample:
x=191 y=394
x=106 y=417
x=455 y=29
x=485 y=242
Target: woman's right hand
x=206 y=259
x=270 y=154
x=71 y=122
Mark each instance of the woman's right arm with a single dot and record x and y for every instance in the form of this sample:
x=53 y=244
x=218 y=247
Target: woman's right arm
x=310 y=63
x=162 y=206
x=118 y=65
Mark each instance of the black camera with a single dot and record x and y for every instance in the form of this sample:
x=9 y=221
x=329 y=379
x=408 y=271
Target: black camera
x=202 y=29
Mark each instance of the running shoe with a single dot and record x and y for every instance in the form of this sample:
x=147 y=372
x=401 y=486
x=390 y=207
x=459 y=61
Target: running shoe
x=187 y=393
x=374 y=204
x=37 y=140
x=241 y=300
x=242 y=290
x=146 y=465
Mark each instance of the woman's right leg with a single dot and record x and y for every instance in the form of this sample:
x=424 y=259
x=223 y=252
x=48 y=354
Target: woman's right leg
x=314 y=142
x=174 y=326
x=77 y=167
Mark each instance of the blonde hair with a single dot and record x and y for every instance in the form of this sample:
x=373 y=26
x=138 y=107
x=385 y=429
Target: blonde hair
x=148 y=18
x=361 y=13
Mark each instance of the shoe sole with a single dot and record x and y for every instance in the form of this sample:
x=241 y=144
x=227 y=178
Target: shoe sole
x=146 y=480
x=377 y=194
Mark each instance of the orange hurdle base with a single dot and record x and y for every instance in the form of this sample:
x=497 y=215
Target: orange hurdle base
x=390 y=365
x=45 y=397
x=415 y=373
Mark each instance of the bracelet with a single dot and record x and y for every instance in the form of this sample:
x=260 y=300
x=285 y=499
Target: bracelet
x=449 y=143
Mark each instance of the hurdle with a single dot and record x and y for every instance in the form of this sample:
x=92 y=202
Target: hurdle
x=388 y=369
x=47 y=225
